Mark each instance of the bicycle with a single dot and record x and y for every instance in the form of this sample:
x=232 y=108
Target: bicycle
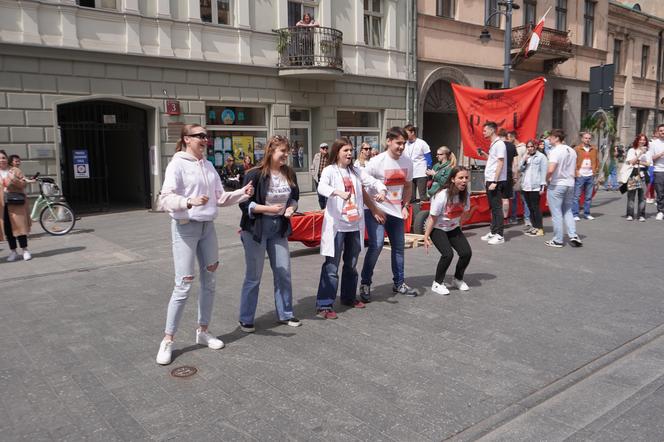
x=55 y=217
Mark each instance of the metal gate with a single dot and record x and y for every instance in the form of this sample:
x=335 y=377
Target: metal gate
x=115 y=138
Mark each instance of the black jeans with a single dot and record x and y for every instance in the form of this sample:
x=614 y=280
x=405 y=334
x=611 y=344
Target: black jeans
x=495 y=198
x=420 y=187
x=11 y=239
x=641 y=201
x=445 y=242
x=533 y=202
x=659 y=189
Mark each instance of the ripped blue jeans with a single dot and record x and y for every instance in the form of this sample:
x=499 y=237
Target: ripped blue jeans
x=191 y=241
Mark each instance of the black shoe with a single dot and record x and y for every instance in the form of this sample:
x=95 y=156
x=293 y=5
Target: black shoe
x=365 y=293
x=575 y=241
x=404 y=289
x=292 y=322
x=247 y=328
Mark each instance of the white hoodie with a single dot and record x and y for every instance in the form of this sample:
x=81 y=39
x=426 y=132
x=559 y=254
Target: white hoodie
x=187 y=177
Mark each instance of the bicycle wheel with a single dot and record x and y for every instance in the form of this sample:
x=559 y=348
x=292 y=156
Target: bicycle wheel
x=57 y=219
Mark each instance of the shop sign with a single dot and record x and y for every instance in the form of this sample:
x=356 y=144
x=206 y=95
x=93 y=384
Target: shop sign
x=228 y=116
x=81 y=163
x=172 y=107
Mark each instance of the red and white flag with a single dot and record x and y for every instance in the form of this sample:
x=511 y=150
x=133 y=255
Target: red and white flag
x=536 y=36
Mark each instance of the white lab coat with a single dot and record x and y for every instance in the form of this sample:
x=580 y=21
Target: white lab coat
x=331 y=179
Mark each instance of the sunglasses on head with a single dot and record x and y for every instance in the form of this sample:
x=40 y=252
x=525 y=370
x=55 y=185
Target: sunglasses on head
x=200 y=136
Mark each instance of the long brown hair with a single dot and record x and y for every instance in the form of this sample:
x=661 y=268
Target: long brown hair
x=451 y=188
x=186 y=130
x=635 y=143
x=334 y=152
x=274 y=142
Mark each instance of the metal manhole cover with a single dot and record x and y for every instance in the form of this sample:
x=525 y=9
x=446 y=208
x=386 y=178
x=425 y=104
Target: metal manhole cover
x=184 y=372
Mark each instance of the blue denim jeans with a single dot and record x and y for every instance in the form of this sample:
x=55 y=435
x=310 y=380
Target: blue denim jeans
x=395 y=232
x=348 y=244
x=560 y=200
x=276 y=247
x=190 y=241
x=583 y=185
x=515 y=206
x=612 y=180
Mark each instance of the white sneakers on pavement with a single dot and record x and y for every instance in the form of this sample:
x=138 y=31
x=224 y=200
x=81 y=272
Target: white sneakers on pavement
x=165 y=352
x=487 y=237
x=576 y=218
x=589 y=217
x=205 y=338
x=439 y=289
x=458 y=283
x=13 y=256
x=660 y=216
x=629 y=218
x=27 y=256
x=496 y=239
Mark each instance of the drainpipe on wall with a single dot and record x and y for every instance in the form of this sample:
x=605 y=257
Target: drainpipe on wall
x=659 y=77
x=411 y=63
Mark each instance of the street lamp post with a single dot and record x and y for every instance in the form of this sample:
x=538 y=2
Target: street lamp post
x=485 y=36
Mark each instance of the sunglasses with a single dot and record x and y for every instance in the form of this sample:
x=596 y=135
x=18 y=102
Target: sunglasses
x=324 y=148
x=439 y=154
x=200 y=136
x=366 y=148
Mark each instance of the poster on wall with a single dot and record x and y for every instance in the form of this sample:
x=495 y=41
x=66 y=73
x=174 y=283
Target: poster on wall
x=259 y=148
x=81 y=163
x=243 y=146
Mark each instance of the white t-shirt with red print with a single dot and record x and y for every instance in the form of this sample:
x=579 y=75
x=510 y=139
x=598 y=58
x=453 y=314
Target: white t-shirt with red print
x=448 y=212
x=395 y=174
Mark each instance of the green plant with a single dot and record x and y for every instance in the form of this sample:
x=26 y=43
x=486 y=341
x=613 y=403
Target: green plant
x=283 y=40
x=603 y=125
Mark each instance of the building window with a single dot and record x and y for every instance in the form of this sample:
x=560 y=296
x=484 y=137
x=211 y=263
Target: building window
x=373 y=23
x=445 y=8
x=585 y=105
x=645 y=53
x=641 y=120
x=529 y=12
x=99 y=4
x=360 y=127
x=216 y=11
x=297 y=9
x=561 y=15
x=589 y=23
x=491 y=6
x=617 y=54
x=492 y=85
x=236 y=131
x=557 y=120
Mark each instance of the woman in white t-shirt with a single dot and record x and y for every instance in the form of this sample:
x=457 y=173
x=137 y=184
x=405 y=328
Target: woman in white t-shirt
x=639 y=159
x=343 y=226
x=450 y=206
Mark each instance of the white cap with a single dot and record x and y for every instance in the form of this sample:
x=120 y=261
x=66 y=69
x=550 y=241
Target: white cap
x=323 y=145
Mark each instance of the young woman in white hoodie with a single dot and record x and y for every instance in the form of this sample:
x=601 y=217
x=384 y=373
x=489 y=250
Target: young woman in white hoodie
x=191 y=193
x=343 y=226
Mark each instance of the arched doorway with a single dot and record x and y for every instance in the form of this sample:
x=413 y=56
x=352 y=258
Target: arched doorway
x=112 y=139
x=440 y=123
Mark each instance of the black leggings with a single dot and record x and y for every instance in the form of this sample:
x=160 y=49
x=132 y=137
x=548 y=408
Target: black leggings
x=445 y=242
x=533 y=202
x=11 y=239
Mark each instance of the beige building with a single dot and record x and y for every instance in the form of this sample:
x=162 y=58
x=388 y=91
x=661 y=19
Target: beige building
x=449 y=50
x=110 y=83
x=634 y=42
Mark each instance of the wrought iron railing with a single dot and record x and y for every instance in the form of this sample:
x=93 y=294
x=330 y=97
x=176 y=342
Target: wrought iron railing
x=310 y=47
x=551 y=39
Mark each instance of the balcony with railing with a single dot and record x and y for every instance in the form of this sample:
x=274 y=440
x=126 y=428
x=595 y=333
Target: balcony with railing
x=555 y=47
x=310 y=52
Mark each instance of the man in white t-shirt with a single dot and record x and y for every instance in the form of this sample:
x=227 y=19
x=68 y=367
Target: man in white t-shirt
x=395 y=170
x=560 y=177
x=495 y=177
x=420 y=154
x=657 y=155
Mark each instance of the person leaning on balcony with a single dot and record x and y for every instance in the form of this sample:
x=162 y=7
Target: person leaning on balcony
x=306 y=38
x=307 y=21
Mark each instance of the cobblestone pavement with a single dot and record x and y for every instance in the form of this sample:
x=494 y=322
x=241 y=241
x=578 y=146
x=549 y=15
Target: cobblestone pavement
x=549 y=344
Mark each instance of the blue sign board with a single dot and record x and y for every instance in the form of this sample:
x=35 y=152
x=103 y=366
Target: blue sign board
x=81 y=163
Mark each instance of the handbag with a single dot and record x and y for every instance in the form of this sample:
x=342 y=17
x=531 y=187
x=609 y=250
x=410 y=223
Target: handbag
x=14 y=198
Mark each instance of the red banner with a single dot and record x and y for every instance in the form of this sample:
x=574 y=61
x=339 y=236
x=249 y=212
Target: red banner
x=514 y=109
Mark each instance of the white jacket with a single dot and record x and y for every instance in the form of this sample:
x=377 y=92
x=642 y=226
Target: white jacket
x=331 y=179
x=187 y=177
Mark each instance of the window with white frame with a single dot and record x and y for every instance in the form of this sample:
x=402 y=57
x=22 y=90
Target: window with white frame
x=99 y=4
x=490 y=9
x=297 y=9
x=216 y=11
x=561 y=15
x=360 y=127
x=445 y=8
x=373 y=22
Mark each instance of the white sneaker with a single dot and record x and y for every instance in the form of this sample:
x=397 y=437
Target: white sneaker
x=439 y=289
x=460 y=285
x=13 y=256
x=576 y=218
x=497 y=239
x=205 y=338
x=589 y=217
x=650 y=201
x=660 y=216
x=165 y=352
x=27 y=256
x=642 y=219
x=487 y=237
x=629 y=218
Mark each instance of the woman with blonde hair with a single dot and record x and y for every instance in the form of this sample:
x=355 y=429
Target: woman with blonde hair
x=191 y=193
x=14 y=212
x=265 y=228
x=363 y=155
x=441 y=170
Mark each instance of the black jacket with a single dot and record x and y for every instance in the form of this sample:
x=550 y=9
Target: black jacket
x=261 y=185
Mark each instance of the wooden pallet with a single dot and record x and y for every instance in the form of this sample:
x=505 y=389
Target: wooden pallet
x=412 y=240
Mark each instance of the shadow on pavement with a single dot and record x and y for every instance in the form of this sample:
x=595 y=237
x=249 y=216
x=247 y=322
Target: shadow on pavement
x=47 y=253
x=48 y=235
